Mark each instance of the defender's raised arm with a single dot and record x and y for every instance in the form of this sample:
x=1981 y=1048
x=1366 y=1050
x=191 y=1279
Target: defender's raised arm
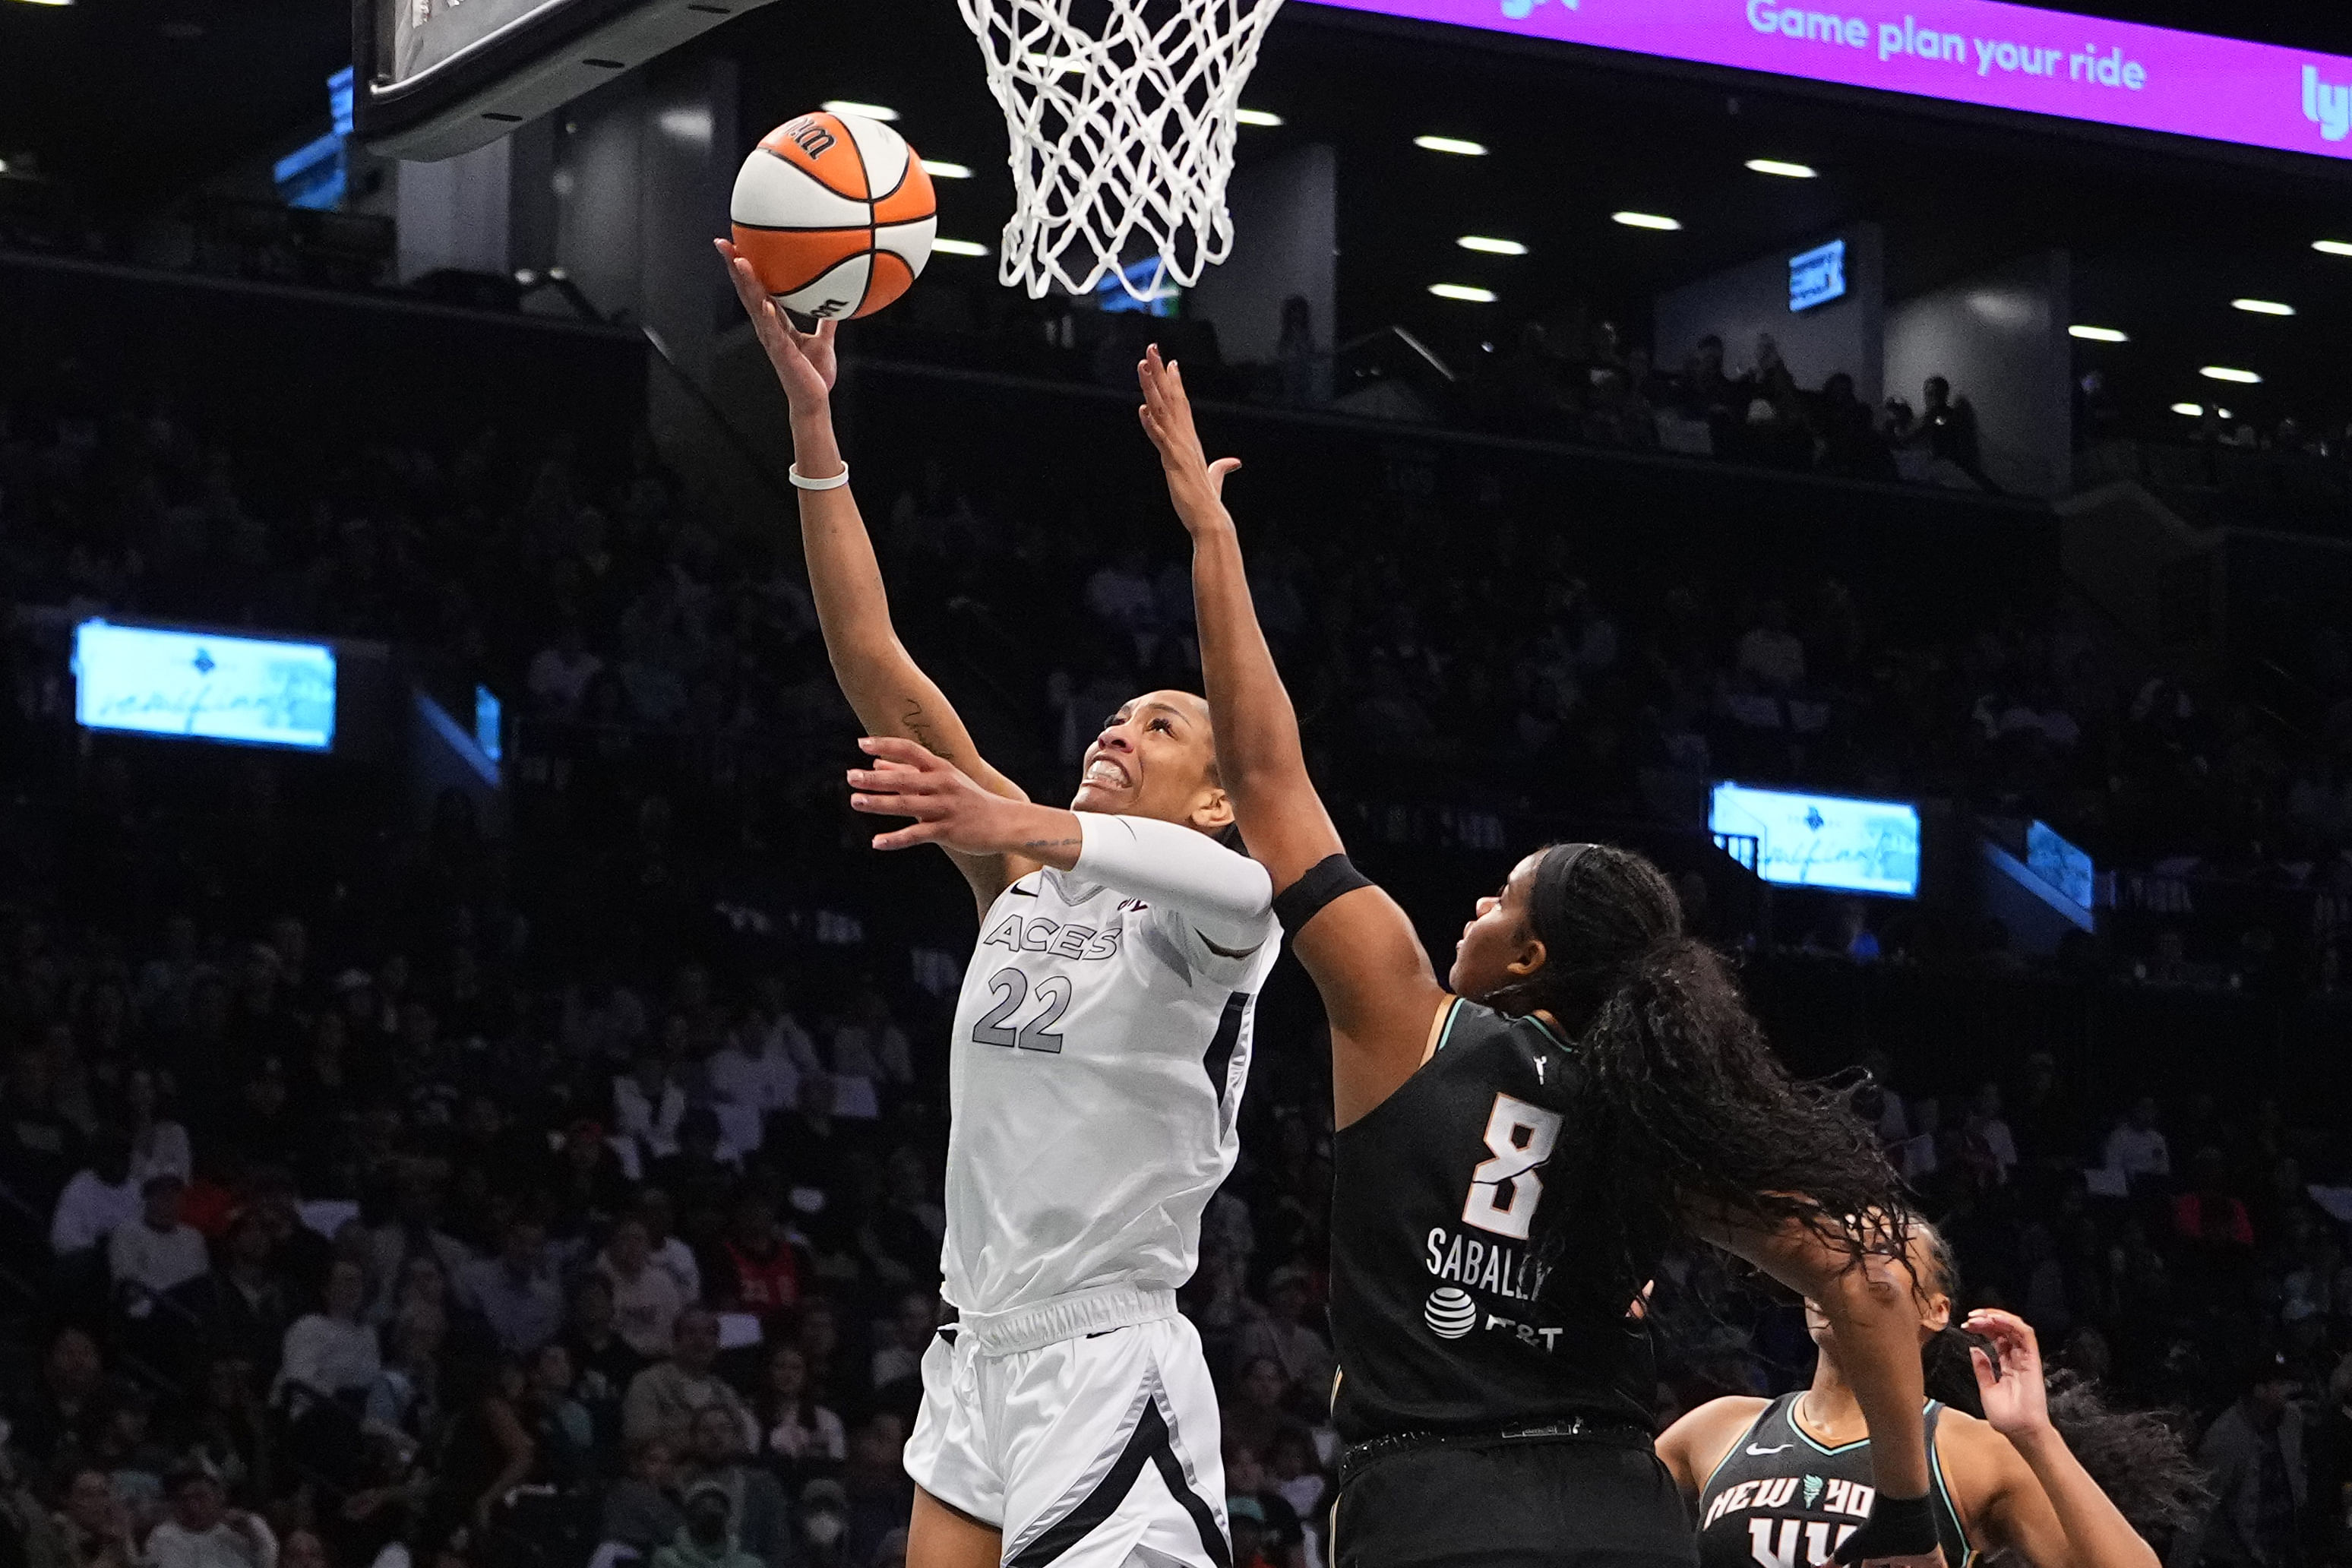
x=1375 y=979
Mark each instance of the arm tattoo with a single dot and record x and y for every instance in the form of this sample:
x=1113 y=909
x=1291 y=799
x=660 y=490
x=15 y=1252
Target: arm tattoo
x=918 y=728
x=1053 y=842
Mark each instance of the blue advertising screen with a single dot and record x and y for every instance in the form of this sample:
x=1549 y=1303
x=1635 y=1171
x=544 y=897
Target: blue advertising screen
x=2058 y=863
x=1805 y=840
x=1817 y=276
x=157 y=680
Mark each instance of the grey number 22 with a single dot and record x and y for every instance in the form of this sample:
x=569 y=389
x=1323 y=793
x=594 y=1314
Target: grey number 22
x=1012 y=988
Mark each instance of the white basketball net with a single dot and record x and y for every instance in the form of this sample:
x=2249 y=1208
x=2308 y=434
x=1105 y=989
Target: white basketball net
x=1121 y=133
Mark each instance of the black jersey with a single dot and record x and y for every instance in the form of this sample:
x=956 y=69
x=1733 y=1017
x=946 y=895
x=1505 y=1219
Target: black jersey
x=1445 y=1319
x=1780 y=1500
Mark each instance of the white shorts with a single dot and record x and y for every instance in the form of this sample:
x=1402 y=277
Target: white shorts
x=1088 y=1452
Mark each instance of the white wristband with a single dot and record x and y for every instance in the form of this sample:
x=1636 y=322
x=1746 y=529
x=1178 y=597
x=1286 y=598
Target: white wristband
x=802 y=481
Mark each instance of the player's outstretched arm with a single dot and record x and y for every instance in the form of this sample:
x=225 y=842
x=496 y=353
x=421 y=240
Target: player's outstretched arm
x=2045 y=1506
x=1224 y=895
x=887 y=688
x=1374 y=977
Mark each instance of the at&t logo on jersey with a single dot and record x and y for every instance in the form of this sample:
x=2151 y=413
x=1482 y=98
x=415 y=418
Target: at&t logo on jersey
x=1450 y=1313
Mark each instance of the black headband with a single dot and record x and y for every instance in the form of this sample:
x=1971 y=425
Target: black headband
x=1548 y=902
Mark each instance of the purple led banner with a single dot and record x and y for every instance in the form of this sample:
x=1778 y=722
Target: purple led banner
x=1964 y=52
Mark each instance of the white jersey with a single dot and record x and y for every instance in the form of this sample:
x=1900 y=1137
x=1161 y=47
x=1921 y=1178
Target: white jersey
x=1095 y=1079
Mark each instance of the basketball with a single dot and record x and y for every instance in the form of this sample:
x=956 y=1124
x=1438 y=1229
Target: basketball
x=835 y=214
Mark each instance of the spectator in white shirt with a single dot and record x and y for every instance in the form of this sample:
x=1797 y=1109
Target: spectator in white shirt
x=647 y=1103
x=759 y=1065
x=2137 y=1149
x=645 y=1300
x=159 y=1145
x=158 y=1250
x=100 y=1197
x=670 y=1255
x=560 y=674
x=204 y=1533
x=868 y=1043
x=331 y=1351
x=1989 y=1128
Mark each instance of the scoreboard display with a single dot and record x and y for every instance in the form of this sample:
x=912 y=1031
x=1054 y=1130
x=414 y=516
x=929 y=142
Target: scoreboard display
x=437 y=77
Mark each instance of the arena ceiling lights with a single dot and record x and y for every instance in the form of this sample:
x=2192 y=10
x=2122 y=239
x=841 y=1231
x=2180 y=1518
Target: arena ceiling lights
x=1453 y=144
x=2235 y=377
x=2262 y=307
x=1647 y=220
x=1257 y=117
x=2196 y=410
x=1469 y=293
x=941 y=169
x=1489 y=245
x=851 y=105
x=2099 y=334
x=2333 y=246
x=958 y=247
x=1785 y=171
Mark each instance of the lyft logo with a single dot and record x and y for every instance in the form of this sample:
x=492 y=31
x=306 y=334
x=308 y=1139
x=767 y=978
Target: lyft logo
x=2326 y=104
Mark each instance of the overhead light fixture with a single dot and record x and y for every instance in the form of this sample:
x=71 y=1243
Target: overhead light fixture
x=2237 y=377
x=1469 y=292
x=2097 y=334
x=1256 y=117
x=941 y=169
x=1646 y=220
x=1786 y=171
x=2333 y=246
x=526 y=277
x=3 y=165
x=2193 y=410
x=958 y=247
x=48 y=2
x=2262 y=307
x=1490 y=246
x=851 y=105
x=1450 y=144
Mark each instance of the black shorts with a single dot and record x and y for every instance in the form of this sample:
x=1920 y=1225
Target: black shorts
x=1572 y=1504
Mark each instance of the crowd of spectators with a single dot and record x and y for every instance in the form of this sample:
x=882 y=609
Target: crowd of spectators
x=384 y=1192
x=1575 y=381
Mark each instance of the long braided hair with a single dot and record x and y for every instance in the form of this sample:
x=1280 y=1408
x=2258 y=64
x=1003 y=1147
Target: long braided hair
x=1685 y=1111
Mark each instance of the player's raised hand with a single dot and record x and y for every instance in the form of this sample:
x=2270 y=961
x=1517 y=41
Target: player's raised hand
x=805 y=362
x=1195 y=485
x=952 y=811
x=2015 y=1394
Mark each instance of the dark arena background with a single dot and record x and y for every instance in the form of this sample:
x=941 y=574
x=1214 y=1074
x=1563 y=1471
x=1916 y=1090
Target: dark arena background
x=1918 y=520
